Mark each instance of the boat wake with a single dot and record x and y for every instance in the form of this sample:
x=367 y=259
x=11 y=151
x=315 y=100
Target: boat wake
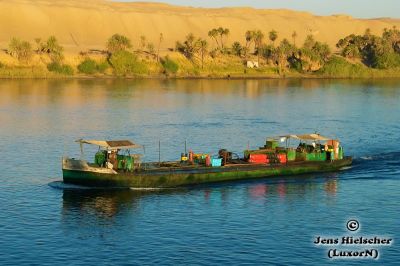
x=382 y=166
x=62 y=185
x=345 y=168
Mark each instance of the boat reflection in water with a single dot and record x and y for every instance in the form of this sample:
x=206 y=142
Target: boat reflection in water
x=106 y=206
x=295 y=189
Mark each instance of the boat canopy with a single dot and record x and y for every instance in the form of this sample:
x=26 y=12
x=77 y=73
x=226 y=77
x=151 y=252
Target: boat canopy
x=112 y=144
x=309 y=137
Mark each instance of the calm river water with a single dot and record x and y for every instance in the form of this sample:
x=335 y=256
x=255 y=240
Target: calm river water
x=257 y=222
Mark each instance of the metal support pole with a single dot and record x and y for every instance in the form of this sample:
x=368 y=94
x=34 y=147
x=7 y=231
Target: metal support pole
x=159 y=153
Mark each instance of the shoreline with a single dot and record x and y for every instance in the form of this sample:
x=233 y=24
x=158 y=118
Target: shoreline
x=162 y=77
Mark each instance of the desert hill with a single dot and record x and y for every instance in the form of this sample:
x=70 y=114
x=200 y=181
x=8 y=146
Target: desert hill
x=81 y=25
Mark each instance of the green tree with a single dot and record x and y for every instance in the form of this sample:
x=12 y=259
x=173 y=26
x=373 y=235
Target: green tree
x=118 y=42
x=273 y=35
x=59 y=68
x=351 y=51
x=387 y=60
x=188 y=47
x=322 y=50
x=53 y=49
x=313 y=53
x=392 y=38
x=237 y=48
x=22 y=50
x=282 y=54
x=269 y=52
x=126 y=63
x=169 y=65
x=88 y=66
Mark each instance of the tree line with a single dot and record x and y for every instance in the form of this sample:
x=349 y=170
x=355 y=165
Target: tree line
x=373 y=51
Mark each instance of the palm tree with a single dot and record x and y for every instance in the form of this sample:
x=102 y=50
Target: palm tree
x=222 y=32
x=213 y=34
x=249 y=38
x=202 y=49
x=294 y=36
x=273 y=35
x=283 y=52
x=159 y=44
x=258 y=38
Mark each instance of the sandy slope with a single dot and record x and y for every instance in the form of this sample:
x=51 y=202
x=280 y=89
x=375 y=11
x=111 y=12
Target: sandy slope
x=80 y=25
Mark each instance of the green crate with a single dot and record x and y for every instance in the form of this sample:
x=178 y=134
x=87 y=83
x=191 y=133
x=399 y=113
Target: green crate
x=129 y=163
x=301 y=156
x=121 y=162
x=99 y=158
x=271 y=144
x=291 y=155
x=341 y=153
x=316 y=156
x=310 y=156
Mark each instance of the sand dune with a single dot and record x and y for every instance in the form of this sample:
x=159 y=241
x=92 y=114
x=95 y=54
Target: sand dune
x=80 y=25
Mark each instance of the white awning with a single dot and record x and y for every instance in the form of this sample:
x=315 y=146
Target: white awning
x=311 y=137
x=112 y=144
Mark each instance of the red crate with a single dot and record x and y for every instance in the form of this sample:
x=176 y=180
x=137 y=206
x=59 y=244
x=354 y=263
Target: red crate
x=282 y=158
x=258 y=158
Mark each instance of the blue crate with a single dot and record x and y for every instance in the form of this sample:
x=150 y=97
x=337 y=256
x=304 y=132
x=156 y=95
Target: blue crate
x=215 y=162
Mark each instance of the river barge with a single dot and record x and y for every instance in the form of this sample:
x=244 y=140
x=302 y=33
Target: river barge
x=115 y=167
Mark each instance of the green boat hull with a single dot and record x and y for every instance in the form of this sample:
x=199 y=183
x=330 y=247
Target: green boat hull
x=176 y=177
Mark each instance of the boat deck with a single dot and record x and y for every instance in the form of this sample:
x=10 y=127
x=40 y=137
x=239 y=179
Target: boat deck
x=166 y=167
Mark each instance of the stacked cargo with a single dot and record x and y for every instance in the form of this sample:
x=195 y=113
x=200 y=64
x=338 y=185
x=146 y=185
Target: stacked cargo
x=258 y=158
x=282 y=158
x=200 y=158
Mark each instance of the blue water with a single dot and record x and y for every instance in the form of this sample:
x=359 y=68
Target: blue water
x=255 y=222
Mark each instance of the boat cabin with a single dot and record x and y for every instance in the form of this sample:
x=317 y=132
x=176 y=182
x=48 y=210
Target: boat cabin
x=115 y=154
x=310 y=147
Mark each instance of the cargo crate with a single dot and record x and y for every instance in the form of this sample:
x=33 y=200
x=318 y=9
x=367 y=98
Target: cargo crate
x=215 y=162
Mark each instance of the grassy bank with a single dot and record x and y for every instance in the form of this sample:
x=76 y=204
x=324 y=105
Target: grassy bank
x=175 y=65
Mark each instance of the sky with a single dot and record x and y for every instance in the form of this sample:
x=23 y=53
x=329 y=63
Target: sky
x=355 y=8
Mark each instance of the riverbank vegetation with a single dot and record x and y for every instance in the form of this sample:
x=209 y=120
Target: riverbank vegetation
x=258 y=54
